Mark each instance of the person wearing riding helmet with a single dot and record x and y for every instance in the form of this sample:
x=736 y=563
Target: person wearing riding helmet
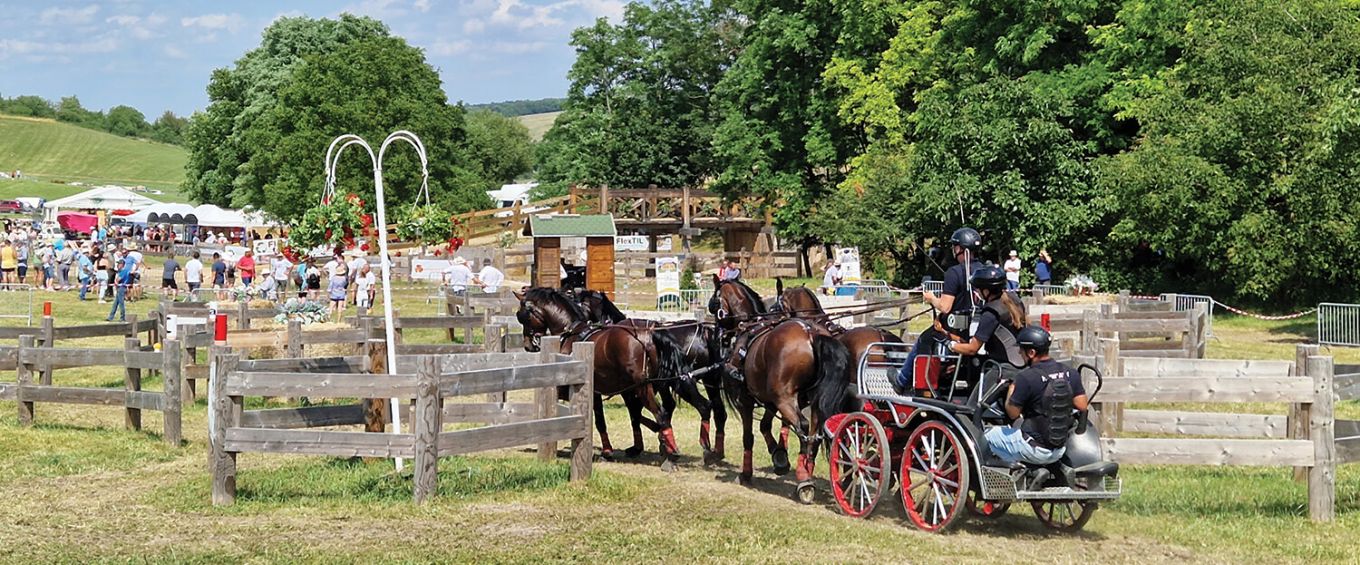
x=953 y=299
x=1044 y=395
x=993 y=328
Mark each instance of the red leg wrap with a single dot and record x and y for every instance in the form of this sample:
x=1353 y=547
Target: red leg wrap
x=747 y=467
x=783 y=437
x=804 y=470
x=703 y=437
x=668 y=440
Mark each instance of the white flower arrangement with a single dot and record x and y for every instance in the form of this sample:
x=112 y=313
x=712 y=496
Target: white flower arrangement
x=1082 y=284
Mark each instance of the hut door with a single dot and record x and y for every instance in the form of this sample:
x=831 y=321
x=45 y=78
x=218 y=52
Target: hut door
x=600 y=265
x=547 y=254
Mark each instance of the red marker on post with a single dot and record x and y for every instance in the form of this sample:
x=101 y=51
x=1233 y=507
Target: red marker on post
x=1044 y=321
x=220 y=330
x=47 y=309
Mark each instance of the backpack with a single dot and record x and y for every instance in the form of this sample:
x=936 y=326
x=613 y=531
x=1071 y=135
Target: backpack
x=1055 y=407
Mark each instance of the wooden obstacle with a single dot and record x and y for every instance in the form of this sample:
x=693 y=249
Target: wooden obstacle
x=1305 y=439
x=41 y=362
x=430 y=382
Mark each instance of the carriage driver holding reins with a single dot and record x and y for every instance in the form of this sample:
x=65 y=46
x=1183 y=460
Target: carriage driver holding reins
x=1044 y=394
x=955 y=302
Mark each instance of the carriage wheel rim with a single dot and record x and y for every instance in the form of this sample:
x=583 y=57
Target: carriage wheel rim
x=934 y=483
x=857 y=475
x=1060 y=513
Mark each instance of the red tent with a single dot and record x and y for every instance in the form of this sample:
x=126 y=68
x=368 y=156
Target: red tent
x=77 y=222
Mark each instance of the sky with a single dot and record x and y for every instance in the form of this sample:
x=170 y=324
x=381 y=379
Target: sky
x=157 y=56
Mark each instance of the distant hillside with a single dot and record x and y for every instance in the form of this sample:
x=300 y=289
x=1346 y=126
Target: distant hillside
x=538 y=124
x=58 y=151
x=516 y=108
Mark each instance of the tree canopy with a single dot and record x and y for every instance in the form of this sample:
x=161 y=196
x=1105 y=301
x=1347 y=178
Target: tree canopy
x=1155 y=144
x=270 y=117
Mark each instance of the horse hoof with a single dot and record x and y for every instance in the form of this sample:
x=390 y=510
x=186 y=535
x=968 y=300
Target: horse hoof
x=712 y=457
x=633 y=452
x=806 y=493
x=607 y=455
x=668 y=466
x=744 y=479
x=780 y=459
x=781 y=470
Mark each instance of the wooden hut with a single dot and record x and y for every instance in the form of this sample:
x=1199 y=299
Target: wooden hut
x=598 y=231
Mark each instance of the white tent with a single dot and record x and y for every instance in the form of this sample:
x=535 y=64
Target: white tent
x=102 y=198
x=217 y=217
x=162 y=213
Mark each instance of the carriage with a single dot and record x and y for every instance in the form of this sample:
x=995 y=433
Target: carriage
x=929 y=442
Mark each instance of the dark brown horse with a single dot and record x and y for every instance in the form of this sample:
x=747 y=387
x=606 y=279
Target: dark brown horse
x=628 y=362
x=802 y=302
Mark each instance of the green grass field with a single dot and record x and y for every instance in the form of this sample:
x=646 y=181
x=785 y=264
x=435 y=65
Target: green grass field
x=51 y=150
x=538 y=124
x=79 y=488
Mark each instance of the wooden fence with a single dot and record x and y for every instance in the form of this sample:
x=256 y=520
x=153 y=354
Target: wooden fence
x=238 y=312
x=1156 y=333
x=431 y=381
x=133 y=358
x=1304 y=439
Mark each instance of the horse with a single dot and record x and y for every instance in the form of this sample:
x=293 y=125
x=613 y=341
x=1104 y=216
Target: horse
x=733 y=302
x=628 y=360
x=701 y=352
x=802 y=302
x=785 y=367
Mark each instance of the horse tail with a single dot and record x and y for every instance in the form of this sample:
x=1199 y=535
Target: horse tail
x=832 y=388
x=610 y=310
x=670 y=355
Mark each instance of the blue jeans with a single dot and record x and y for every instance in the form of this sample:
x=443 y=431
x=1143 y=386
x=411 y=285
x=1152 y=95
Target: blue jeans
x=84 y=286
x=927 y=338
x=1009 y=445
x=119 y=303
x=1012 y=285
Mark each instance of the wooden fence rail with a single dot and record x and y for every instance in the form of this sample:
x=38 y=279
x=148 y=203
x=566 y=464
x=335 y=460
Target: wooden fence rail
x=42 y=361
x=430 y=382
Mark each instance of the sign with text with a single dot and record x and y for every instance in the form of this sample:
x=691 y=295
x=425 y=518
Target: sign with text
x=265 y=247
x=849 y=259
x=631 y=243
x=429 y=269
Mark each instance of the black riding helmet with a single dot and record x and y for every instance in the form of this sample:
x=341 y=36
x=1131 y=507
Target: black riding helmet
x=966 y=238
x=989 y=277
x=1033 y=337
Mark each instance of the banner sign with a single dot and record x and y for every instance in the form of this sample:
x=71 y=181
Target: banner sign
x=667 y=276
x=631 y=243
x=429 y=269
x=266 y=247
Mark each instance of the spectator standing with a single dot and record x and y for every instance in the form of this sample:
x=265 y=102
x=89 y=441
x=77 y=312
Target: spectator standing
x=364 y=284
x=21 y=255
x=49 y=266
x=9 y=261
x=1043 y=268
x=356 y=264
x=1012 y=266
x=313 y=279
x=65 y=254
x=729 y=271
x=85 y=272
x=246 y=267
x=120 y=287
x=280 y=269
x=168 y=276
x=193 y=275
x=490 y=278
x=101 y=276
x=457 y=276
x=338 y=288
x=219 y=273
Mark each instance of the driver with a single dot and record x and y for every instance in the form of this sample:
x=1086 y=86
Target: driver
x=1044 y=394
x=953 y=299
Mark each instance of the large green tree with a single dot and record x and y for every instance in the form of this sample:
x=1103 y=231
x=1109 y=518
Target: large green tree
x=500 y=146
x=270 y=118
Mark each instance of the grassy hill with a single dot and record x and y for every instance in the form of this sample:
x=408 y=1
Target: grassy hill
x=538 y=124
x=51 y=150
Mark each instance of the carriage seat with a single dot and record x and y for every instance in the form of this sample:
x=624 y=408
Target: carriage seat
x=1098 y=469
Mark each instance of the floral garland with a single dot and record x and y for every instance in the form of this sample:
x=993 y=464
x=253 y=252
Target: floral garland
x=333 y=223
x=431 y=225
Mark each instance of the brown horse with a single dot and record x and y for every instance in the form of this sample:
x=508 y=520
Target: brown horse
x=802 y=302
x=784 y=368
x=628 y=361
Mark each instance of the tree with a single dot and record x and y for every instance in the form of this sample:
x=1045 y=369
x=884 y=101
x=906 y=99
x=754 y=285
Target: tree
x=125 y=121
x=34 y=106
x=499 y=146
x=271 y=116
x=169 y=128
x=69 y=110
x=640 y=109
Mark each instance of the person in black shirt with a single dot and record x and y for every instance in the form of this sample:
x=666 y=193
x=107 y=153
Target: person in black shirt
x=1026 y=398
x=954 y=298
x=998 y=310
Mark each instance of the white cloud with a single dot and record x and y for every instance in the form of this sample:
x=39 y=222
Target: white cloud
x=516 y=14
x=174 y=52
x=474 y=25
x=447 y=48
x=137 y=26
x=54 y=49
x=229 y=22
x=68 y=16
x=422 y=5
x=516 y=47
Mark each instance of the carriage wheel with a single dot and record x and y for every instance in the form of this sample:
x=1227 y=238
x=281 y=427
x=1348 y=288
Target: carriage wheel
x=934 y=477
x=986 y=508
x=861 y=465
x=1064 y=515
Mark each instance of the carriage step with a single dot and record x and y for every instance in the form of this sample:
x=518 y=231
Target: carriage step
x=1110 y=492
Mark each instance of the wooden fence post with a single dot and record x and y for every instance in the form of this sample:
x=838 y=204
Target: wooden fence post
x=242 y=319
x=1300 y=414
x=1201 y=329
x=1109 y=365
x=1089 y=345
x=132 y=382
x=131 y=327
x=294 y=339
x=48 y=340
x=221 y=462
x=1123 y=301
x=25 y=379
x=495 y=343
x=1322 y=432
x=545 y=399
x=375 y=409
x=582 y=402
x=172 y=410
x=188 y=392
x=427 y=425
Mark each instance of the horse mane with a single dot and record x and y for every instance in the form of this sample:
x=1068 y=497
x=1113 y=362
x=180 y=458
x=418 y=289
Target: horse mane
x=757 y=302
x=543 y=294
